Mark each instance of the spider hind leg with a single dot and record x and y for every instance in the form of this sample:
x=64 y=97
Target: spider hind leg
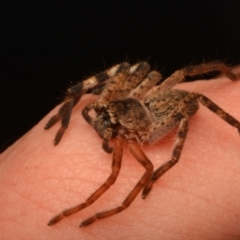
x=181 y=137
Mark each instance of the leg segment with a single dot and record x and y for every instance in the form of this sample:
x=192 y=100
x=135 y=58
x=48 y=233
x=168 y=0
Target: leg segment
x=182 y=133
x=142 y=158
x=74 y=94
x=179 y=76
x=148 y=83
x=121 y=85
x=106 y=139
x=87 y=109
x=116 y=166
x=217 y=110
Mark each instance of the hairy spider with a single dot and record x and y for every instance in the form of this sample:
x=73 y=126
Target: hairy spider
x=125 y=112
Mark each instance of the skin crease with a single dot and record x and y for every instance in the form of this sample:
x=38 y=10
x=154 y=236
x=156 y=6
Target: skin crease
x=197 y=199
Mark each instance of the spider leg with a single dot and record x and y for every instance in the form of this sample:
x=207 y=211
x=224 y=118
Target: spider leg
x=121 y=85
x=181 y=136
x=64 y=112
x=116 y=166
x=142 y=158
x=105 y=133
x=148 y=83
x=217 y=110
x=87 y=109
x=74 y=95
x=106 y=138
x=179 y=75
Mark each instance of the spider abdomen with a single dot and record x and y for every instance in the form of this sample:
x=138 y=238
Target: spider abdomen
x=167 y=108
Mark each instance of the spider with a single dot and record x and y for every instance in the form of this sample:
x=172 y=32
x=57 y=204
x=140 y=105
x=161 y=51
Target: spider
x=126 y=113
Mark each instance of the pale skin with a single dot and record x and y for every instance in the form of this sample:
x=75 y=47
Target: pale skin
x=197 y=199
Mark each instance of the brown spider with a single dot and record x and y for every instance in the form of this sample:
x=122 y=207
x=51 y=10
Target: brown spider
x=124 y=112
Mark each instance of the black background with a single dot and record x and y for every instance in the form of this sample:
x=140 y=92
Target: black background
x=46 y=46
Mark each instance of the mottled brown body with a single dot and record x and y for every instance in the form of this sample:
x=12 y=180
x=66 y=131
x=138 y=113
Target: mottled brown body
x=125 y=113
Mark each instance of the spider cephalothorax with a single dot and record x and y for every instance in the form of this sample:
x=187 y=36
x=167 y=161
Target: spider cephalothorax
x=126 y=112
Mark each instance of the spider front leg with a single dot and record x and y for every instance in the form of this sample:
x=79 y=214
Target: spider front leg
x=116 y=166
x=142 y=158
x=75 y=93
x=181 y=137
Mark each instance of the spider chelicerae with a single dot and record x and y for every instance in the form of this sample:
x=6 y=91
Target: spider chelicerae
x=127 y=113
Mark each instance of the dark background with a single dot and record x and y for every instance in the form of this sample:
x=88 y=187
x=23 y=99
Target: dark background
x=45 y=46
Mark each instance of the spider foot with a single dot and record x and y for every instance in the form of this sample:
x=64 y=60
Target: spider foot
x=88 y=221
x=56 y=219
x=59 y=135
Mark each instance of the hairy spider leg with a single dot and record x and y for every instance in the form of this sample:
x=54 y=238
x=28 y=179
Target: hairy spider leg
x=116 y=166
x=122 y=84
x=181 y=137
x=74 y=95
x=148 y=83
x=217 y=110
x=179 y=75
x=136 y=151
